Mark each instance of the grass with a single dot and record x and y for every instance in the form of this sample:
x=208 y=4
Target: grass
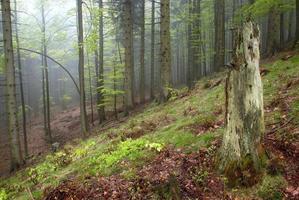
x=104 y=155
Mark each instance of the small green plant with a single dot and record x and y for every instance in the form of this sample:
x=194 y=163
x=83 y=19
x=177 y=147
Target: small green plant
x=200 y=176
x=38 y=173
x=271 y=188
x=3 y=194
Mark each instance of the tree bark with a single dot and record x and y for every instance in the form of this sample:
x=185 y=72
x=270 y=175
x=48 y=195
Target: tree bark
x=190 y=66
x=100 y=84
x=83 y=116
x=273 y=32
x=241 y=151
x=11 y=101
x=152 y=91
x=282 y=30
x=219 y=35
x=46 y=78
x=297 y=21
x=165 y=51
x=23 y=105
x=142 y=46
x=129 y=63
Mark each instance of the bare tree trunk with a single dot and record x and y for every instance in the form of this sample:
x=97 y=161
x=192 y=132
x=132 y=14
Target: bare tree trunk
x=142 y=70
x=153 y=51
x=240 y=156
x=100 y=89
x=165 y=51
x=282 y=30
x=21 y=82
x=297 y=21
x=273 y=32
x=219 y=35
x=11 y=101
x=291 y=16
x=83 y=116
x=46 y=76
x=90 y=89
x=190 y=65
x=129 y=63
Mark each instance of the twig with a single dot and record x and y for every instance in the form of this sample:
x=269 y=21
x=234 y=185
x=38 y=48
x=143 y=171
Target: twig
x=30 y=194
x=282 y=126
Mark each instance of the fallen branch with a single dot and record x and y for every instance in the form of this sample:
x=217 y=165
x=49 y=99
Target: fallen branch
x=280 y=127
x=30 y=193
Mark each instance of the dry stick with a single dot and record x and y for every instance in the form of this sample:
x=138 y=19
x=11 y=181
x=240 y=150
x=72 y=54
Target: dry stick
x=282 y=126
x=30 y=194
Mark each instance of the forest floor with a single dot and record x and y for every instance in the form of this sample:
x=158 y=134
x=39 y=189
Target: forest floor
x=168 y=151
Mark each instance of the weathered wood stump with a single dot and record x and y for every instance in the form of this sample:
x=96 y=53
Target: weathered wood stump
x=241 y=153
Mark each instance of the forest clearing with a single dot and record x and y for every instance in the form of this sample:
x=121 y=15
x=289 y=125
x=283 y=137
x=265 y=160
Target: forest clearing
x=143 y=99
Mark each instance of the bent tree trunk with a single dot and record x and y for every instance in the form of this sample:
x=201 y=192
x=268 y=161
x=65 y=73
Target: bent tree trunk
x=241 y=151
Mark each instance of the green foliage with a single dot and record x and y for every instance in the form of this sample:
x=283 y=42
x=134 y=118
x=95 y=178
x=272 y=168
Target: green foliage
x=200 y=176
x=262 y=7
x=3 y=194
x=271 y=188
x=129 y=150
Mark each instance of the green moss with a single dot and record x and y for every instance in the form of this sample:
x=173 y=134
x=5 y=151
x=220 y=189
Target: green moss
x=271 y=188
x=295 y=110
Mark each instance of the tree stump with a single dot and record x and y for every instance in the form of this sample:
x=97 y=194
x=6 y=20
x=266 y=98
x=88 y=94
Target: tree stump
x=241 y=153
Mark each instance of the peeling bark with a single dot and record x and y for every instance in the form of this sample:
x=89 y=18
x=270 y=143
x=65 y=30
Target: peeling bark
x=240 y=156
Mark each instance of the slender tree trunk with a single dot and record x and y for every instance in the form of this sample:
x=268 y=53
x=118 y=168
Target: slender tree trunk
x=129 y=63
x=297 y=21
x=219 y=35
x=83 y=116
x=11 y=101
x=153 y=31
x=290 y=25
x=90 y=89
x=142 y=70
x=100 y=89
x=240 y=156
x=165 y=51
x=273 y=32
x=46 y=76
x=24 y=117
x=282 y=30
x=190 y=47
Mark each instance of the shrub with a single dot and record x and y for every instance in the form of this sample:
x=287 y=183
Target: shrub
x=271 y=188
x=3 y=195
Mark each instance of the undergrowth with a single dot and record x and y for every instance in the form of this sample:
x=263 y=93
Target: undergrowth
x=160 y=126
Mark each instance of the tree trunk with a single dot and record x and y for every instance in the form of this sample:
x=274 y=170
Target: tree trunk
x=219 y=35
x=282 y=30
x=153 y=51
x=297 y=20
x=291 y=16
x=90 y=89
x=23 y=105
x=46 y=76
x=165 y=51
x=100 y=85
x=142 y=70
x=241 y=151
x=190 y=47
x=273 y=32
x=11 y=101
x=83 y=117
x=129 y=63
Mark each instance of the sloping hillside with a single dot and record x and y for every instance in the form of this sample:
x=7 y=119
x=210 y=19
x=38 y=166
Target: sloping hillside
x=168 y=151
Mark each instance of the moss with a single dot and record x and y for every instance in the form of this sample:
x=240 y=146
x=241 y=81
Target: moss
x=271 y=188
